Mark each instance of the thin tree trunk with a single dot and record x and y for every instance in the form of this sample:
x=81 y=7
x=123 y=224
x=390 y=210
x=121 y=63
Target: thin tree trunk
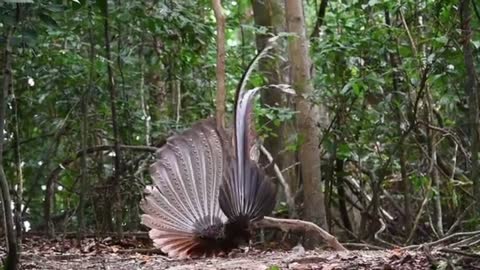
x=320 y=18
x=432 y=147
x=12 y=245
x=117 y=205
x=83 y=139
x=309 y=116
x=83 y=165
x=220 y=70
x=471 y=89
x=48 y=206
x=19 y=173
x=397 y=89
x=340 y=182
x=143 y=97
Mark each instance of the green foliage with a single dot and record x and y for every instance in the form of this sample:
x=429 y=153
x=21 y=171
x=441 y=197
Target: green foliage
x=370 y=114
x=167 y=45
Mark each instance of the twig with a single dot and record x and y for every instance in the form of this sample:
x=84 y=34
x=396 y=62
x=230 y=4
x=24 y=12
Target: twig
x=419 y=214
x=141 y=251
x=443 y=240
x=363 y=246
x=412 y=41
x=366 y=196
x=460 y=218
x=286 y=186
x=291 y=166
x=471 y=241
x=296 y=224
x=382 y=229
x=459 y=252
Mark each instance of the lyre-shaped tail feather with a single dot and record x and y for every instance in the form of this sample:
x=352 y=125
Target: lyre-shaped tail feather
x=246 y=192
x=182 y=207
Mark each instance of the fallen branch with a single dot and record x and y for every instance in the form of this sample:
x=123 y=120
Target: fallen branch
x=296 y=224
x=156 y=251
x=443 y=240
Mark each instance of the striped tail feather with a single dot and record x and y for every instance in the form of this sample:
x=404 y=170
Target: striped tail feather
x=246 y=193
x=181 y=207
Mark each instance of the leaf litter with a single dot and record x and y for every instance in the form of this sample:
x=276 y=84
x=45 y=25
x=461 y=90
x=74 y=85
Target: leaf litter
x=137 y=253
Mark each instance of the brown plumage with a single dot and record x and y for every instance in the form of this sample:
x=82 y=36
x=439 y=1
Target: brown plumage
x=206 y=188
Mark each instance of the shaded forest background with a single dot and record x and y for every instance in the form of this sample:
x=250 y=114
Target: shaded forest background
x=92 y=88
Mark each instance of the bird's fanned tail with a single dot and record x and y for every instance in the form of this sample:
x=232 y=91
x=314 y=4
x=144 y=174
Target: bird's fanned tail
x=181 y=207
x=206 y=187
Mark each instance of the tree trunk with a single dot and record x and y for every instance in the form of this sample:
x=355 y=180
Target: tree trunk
x=398 y=89
x=49 y=202
x=270 y=14
x=12 y=246
x=19 y=173
x=117 y=205
x=83 y=139
x=471 y=89
x=308 y=118
x=220 y=69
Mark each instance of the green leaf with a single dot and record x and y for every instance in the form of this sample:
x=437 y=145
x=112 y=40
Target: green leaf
x=55 y=8
x=357 y=89
x=47 y=20
x=77 y=4
x=344 y=150
x=442 y=40
x=476 y=43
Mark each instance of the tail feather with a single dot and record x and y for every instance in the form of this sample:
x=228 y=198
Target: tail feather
x=189 y=163
x=246 y=191
x=182 y=207
x=169 y=219
x=212 y=142
x=164 y=175
x=170 y=211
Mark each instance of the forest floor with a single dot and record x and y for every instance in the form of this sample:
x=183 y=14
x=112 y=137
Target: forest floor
x=132 y=253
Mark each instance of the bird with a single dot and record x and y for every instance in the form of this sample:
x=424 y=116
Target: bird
x=207 y=188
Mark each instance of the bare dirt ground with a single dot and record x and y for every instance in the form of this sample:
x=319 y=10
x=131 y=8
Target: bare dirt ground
x=64 y=254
